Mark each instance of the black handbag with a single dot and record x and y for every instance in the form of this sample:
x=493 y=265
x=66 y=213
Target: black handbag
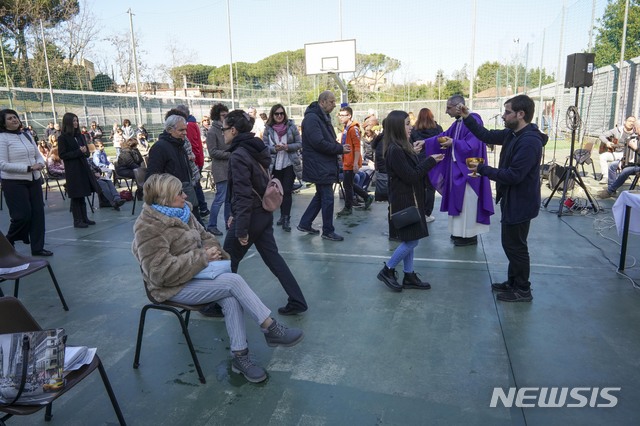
x=406 y=217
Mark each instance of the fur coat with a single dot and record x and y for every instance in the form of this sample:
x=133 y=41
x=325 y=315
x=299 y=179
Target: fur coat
x=170 y=251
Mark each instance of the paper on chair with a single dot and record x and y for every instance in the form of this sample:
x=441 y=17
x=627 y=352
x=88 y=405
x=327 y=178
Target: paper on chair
x=18 y=268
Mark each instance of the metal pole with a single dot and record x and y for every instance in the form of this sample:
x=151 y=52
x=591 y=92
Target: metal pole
x=473 y=55
x=541 y=109
x=46 y=62
x=517 y=64
x=593 y=20
x=622 y=50
x=340 y=15
x=560 y=41
x=6 y=73
x=288 y=85
x=233 y=94
x=526 y=66
x=135 y=66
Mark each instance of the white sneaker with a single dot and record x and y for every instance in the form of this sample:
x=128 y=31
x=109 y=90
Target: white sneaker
x=430 y=219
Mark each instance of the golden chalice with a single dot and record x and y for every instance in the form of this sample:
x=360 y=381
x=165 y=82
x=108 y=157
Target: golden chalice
x=442 y=140
x=473 y=162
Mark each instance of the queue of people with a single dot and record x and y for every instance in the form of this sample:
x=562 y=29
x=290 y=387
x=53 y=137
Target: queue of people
x=174 y=246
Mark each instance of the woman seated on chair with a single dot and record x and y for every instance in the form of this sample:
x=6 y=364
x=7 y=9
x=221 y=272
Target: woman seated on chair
x=109 y=197
x=44 y=148
x=172 y=248
x=129 y=159
x=55 y=166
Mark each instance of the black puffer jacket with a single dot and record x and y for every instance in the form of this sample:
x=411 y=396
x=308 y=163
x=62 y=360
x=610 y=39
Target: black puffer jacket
x=248 y=153
x=168 y=156
x=422 y=134
x=319 y=147
x=378 y=154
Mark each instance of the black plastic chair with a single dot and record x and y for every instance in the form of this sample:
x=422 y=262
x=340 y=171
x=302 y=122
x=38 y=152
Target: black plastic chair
x=47 y=178
x=14 y=318
x=183 y=313
x=140 y=173
x=10 y=258
x=117 y=178
x=583 y=156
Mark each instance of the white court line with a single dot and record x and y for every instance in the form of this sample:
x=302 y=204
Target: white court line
x=343 y=255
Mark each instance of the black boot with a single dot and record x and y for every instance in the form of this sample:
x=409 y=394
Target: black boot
x=77 y=215
x=286 y=223
x=279 y=222
x=83 y=212
x=389 y=278
x=411 y=280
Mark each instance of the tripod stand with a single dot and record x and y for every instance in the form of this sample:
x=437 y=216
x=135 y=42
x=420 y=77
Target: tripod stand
x=570 y=172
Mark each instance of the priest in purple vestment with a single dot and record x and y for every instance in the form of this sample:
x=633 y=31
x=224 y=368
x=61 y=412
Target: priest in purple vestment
x=466 y=199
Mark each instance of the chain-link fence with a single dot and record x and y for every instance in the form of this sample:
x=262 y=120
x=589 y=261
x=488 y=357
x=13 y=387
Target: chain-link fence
x=534 y=65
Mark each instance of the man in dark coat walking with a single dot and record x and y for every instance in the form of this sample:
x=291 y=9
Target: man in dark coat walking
x=320 y=152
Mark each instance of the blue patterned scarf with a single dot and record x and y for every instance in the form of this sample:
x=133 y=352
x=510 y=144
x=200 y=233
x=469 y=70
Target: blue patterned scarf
x=183 y=214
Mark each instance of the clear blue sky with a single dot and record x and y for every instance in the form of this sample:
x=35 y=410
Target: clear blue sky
x=425 y=35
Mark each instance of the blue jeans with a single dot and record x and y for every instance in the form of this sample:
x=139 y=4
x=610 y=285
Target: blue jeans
x=322 y=200
x=622 y=177
x=221 y=197
x=404 y=253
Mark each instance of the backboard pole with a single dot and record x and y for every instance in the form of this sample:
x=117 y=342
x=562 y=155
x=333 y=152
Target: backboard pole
x=344 y=98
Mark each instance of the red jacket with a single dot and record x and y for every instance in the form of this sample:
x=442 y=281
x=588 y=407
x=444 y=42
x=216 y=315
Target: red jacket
x=352 y=138
x=193 y=134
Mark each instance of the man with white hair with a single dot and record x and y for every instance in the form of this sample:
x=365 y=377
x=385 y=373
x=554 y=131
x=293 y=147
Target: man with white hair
x=167 y=154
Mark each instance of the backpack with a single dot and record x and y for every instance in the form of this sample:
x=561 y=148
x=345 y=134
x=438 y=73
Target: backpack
x=273 y=195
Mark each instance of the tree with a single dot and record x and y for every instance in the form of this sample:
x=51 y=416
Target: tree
x=453 y=87
x=372 y=70
x=102 y=83
x=486 y=75
x=609 y=33
x=17 y=16
x=124 y=56
x=197 y=74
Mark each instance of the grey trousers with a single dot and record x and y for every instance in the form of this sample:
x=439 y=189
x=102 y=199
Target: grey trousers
x=234 y=295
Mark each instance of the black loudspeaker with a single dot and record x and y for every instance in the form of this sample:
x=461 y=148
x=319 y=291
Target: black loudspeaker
x=579 y=70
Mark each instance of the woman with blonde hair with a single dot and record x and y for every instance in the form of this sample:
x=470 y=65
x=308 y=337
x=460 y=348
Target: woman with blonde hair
x=178 y=258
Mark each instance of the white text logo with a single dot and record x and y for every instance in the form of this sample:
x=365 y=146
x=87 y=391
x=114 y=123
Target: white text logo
x=555 y=397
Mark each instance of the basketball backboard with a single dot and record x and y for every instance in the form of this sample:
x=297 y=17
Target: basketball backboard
x=330 y=57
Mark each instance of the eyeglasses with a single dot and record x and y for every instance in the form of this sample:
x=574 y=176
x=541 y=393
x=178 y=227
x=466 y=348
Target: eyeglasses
x=224 y=129
x=343 y=115
x=180 y=194
x=278 y=113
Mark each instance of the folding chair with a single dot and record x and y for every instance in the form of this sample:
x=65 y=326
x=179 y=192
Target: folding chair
x=47 y=177
x=140 y=173
x=582 y=157
x=117 y=178
x=178 y=309
x=15 y=318
x=10 y=258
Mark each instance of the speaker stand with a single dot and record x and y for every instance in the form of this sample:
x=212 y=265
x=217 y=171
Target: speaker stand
x=571 y=171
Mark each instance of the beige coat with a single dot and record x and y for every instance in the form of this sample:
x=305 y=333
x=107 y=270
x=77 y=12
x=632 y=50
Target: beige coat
x=170 y=251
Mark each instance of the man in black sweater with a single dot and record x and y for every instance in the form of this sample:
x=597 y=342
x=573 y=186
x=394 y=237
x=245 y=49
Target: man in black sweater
x=517 y=188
